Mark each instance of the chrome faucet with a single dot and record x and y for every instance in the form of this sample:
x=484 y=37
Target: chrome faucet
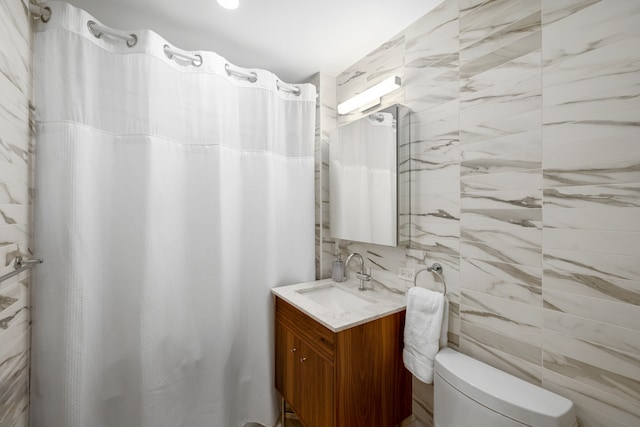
x=361 y=276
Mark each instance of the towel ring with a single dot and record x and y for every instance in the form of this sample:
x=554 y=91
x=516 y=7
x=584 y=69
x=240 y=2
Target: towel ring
x=435 y=268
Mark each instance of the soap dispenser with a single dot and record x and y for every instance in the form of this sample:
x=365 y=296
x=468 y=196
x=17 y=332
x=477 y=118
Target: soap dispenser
x=337 y=272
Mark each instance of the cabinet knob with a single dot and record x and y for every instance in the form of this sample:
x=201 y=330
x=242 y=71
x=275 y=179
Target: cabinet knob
x=303 y=359
x=293 y=350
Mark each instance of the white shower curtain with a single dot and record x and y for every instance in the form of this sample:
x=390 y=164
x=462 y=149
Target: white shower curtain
x=170 y=199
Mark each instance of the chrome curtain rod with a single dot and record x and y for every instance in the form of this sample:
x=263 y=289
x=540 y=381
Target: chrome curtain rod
x=21 y=265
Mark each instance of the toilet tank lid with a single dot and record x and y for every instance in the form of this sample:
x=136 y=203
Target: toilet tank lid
x=504 y=393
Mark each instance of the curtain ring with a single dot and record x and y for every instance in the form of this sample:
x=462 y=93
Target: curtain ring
x=45 y=17
x=252 y=77
x=197 y=62
x=132 y=41
x=96 y=34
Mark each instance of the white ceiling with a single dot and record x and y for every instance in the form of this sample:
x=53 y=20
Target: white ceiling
x=292 y=38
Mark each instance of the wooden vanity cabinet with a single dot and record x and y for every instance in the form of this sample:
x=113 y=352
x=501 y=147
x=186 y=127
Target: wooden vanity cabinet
x=353 y=378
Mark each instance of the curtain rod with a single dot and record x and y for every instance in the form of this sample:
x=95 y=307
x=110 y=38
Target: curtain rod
x=21 y=265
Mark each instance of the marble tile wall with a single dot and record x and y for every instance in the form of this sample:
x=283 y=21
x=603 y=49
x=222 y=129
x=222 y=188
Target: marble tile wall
x=591 y=196
x=326 y=121
x=15 y=209
x=525 y=186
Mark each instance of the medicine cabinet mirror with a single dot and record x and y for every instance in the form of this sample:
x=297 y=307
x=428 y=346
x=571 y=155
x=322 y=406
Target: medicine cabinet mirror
x=369 y=189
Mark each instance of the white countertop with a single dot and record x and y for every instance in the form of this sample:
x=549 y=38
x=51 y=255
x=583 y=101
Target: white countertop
x=383 y=303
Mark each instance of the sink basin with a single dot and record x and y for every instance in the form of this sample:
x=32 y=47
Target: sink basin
x=334 y=299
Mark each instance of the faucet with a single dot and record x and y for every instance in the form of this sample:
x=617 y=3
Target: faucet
x=362 y=276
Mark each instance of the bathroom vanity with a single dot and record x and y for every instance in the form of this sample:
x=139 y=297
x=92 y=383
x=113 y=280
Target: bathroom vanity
x=339 y=354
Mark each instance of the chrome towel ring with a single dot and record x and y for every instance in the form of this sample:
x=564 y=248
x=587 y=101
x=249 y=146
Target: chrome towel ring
x=435 y=268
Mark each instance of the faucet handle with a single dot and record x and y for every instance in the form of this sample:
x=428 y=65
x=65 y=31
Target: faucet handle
x=363 y=276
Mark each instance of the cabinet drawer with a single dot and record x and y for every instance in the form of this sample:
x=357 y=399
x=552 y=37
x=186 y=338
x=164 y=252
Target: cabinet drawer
x=315 y=335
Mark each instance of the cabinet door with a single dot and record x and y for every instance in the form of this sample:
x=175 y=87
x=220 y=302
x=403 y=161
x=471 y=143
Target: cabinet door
x=287 y=364
x=315 y=407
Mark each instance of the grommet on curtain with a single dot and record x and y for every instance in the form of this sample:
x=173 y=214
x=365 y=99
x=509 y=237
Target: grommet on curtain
x=44 y=13
x=249 y=76
x=98 y=31
x=288 y=88
x=169 y=52
x=132 y=41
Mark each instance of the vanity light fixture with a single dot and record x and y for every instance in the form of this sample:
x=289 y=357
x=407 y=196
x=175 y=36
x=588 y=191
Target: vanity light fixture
x=229 y=4
x=371 y=96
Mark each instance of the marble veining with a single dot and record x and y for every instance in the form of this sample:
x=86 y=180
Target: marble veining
x=16 y=151
x=382 y=303
x=524 y=179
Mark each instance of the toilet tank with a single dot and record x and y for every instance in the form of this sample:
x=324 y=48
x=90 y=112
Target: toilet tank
x=471 y=393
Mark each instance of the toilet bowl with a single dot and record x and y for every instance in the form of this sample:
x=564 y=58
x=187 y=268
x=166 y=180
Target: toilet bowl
x=470 y=393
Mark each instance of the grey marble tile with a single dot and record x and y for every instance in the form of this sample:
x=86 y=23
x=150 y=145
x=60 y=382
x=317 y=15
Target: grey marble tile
x=428 y=168
x=519 y=123
x=423 y=228
x=590 y=107
x=517 y=152
x=596 y=309
x=616 y=125
x=507 y=281
x=501 y=85
x=495 y=218
x=513 y=346
x=14 y=214
x=578 y=154
x=505 y=316
x=503 y=247
x=585 y=281
x=555 y=10
x=604 y=409
x=475 y=13
x=492 y=108
x=432 y=85
x=590 y=23
x=438 y=207
x=511 y=199
x=503 y=31
x=15 y=56
x=497 y=23
x=611 y=370
x=13 y=193
x=614 y=266
x=439 y=17
x=616 y=173
x=504 y=181
x=437 y=247
x=527 y=371
x=14 y=233
x=590 y=196
x=384 y=61
x=422 y=402
x=503 y=78
x=439 y=185
x=517 y=49
x=599 y=333
x=447 y=129
x=612 y=59
x=597 y=241
x=604 y=218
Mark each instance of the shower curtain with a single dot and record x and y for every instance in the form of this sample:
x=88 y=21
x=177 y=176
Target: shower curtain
x=171 y=197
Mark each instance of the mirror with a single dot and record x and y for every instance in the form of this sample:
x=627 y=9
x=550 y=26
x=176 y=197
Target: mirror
x=369 y=188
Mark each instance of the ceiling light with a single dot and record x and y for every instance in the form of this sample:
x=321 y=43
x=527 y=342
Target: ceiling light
x=371 y=96
x=229 y=4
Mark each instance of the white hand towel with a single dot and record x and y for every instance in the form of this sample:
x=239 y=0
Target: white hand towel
x=425 y=331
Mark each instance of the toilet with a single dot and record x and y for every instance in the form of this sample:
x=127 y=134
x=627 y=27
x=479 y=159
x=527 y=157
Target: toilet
x=471 y=393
